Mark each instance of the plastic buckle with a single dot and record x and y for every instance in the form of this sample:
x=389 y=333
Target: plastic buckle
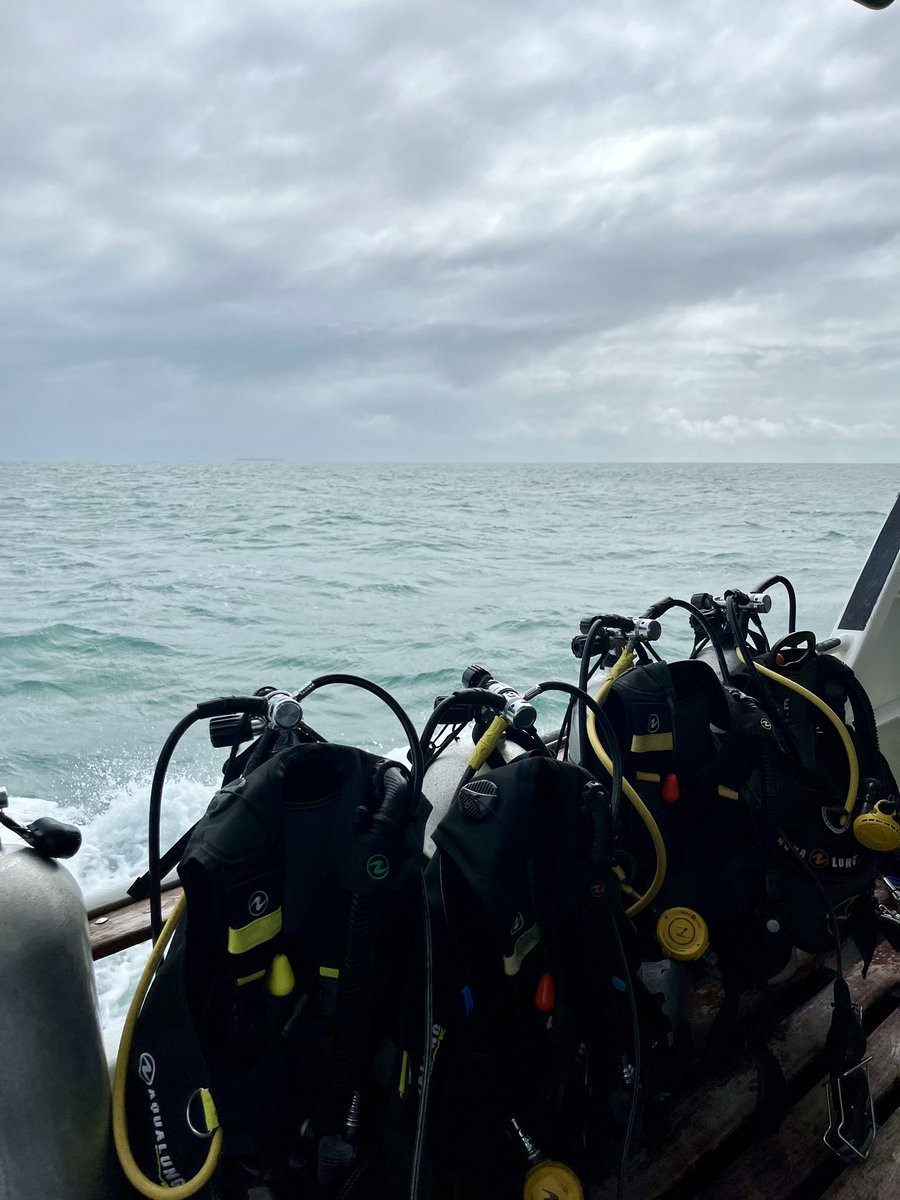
x=835 y=1137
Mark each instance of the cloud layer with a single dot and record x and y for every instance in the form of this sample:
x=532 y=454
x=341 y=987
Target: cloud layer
x=383 y=229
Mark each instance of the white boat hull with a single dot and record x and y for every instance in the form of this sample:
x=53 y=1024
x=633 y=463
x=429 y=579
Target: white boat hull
x=869 y=632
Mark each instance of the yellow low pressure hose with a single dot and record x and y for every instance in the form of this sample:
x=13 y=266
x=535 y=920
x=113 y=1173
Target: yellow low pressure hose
x=133 y=1172
x=840 y=727
x=623 y=662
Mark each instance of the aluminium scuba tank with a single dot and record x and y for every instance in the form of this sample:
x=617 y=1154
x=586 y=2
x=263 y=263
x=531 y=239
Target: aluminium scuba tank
x=54 y=1092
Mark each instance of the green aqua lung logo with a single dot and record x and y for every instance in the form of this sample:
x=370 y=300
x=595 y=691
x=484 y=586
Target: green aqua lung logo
x=378 y=867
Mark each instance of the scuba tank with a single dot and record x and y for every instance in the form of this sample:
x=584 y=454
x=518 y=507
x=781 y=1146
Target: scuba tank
x=54 y=1101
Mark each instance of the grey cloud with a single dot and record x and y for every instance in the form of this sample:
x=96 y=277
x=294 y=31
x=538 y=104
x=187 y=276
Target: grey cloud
x=438 y=231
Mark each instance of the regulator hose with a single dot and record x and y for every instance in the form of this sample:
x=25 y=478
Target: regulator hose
x=655 y=611
x=866 y=727
x=154 y=814
x=840 y=729
x=584 y=674
x=556 y=685
x=221 y=706
x=134 y=1174
x=614 y=768
x=416 y=758
x=779 y=725
x=623 y=662
x=791 y=595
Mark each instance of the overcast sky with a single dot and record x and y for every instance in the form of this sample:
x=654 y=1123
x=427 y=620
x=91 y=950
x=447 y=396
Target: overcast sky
x=411 y=229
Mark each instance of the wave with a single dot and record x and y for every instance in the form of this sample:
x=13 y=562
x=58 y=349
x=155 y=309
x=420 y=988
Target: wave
x=61 y=637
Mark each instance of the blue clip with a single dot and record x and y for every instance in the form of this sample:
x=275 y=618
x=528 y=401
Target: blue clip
x=468 y=999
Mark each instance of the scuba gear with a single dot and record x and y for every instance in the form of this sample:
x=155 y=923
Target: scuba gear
x=293 y=882
x=521 y=895
x=512 y=1028
x=503 y=1034
x=755 y=825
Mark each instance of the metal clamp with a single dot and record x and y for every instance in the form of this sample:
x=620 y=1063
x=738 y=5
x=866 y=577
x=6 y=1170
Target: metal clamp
x=835 y=1137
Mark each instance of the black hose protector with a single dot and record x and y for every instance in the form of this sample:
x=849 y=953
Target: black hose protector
x=866 y=729
x=351 y=1032
x=583 y=680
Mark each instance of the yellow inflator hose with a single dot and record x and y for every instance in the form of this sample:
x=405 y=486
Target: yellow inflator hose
x=623 y=662
x=840 y=727
x=133 y=1172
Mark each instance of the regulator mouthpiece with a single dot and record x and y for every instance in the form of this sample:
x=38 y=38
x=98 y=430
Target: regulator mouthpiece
x=879 y=829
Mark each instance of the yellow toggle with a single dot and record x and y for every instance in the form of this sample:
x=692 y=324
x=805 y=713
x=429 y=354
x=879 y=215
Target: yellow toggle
x=280 y=978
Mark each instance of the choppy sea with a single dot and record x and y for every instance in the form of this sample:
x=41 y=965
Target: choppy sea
x=130 y=592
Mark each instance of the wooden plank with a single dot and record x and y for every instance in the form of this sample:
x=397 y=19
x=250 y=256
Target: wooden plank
x=716 y=1110
x=126 y=926
x=878 y=1178
x=775 y=1166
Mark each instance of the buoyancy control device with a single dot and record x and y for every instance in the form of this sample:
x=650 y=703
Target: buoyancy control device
x=532 y=1028
x=250 y=1059
x=543 y=1037
x=775 y=806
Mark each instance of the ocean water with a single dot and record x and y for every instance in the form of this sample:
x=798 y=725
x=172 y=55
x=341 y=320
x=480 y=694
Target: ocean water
x=130 y=592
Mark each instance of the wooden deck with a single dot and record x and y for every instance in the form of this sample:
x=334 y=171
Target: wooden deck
x=713 y=1150
x=126 y=926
